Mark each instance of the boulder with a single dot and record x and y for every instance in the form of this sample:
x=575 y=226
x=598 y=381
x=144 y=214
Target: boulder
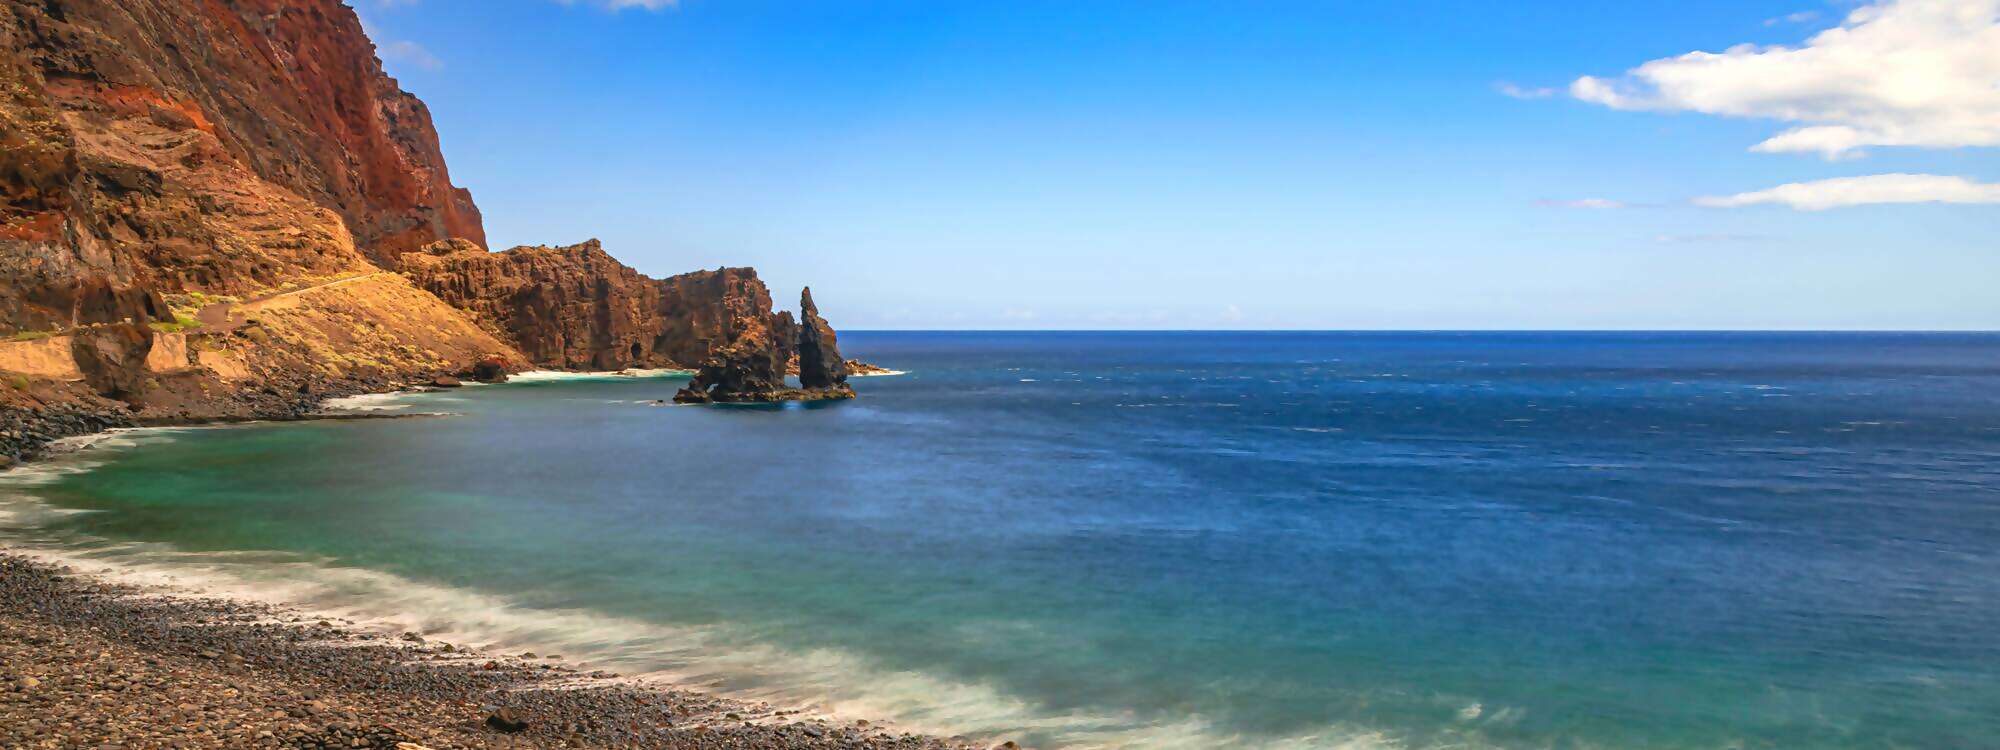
x=493 y=369
x=112 y=358
x=507 y=720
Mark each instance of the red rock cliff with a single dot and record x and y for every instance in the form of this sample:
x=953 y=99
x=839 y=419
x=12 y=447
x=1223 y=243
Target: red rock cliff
x=291 y=88
x=242 y=163
x=578 y=308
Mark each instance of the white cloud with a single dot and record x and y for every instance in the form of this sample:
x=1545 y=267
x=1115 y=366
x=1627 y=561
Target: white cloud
x=1507 y=88
x=1599 y=204
x=409 y=53
x=1804 y=16
x=1921 y=73
x=623 y=4
x=1859 y=191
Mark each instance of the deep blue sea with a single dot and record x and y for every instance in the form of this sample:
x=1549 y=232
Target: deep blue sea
x=1171 y=540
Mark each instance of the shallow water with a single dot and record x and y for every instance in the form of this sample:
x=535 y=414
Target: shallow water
x=1172 y=540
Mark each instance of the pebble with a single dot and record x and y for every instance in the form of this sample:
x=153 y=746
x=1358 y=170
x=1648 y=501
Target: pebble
x=91 y=666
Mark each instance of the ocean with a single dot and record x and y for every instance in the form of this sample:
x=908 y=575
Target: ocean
x=1166 y=540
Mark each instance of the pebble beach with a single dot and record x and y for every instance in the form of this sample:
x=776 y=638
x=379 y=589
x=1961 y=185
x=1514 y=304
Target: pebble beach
x=92 y=663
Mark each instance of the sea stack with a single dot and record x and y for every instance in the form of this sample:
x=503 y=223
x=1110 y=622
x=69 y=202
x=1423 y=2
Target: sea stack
x=820 y=365
x=762 y=348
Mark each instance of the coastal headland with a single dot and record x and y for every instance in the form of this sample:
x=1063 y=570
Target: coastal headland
x=229 y=211
x=226 y=212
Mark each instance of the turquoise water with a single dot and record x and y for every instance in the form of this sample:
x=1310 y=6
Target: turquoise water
x=1173 y=540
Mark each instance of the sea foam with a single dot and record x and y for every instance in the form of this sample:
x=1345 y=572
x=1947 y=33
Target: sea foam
x=717 y=658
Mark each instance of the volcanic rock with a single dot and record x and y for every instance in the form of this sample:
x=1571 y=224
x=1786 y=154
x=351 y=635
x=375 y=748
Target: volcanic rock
x=493 y=369
x=820 y=364
x=232 y=172
x=113 y=358
x=507 y=720
x=763 y=347
x=577 y=308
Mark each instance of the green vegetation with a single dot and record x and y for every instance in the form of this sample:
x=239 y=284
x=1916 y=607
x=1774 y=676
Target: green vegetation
x=18 y=381
x=31 y=335
x=181 y=322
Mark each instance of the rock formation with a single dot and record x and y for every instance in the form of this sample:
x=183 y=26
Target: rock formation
x=578 y=308
x=204 y=207
x=761 y=348
x=232 y=172
x=820 y=365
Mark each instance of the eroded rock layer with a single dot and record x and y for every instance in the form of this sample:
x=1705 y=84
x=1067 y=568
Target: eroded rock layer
x=204 y=206
x=577 y=308
x=194 y=197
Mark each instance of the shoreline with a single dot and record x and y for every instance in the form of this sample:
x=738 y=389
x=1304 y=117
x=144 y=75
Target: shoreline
x=86 y=658
x=90 y=661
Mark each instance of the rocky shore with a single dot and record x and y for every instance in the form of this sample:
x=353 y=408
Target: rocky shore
x=85 y=663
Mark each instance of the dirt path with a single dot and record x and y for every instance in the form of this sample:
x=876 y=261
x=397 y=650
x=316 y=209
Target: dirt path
x=220 y=317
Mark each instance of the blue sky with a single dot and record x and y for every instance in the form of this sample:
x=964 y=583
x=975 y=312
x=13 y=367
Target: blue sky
x=1408 y=164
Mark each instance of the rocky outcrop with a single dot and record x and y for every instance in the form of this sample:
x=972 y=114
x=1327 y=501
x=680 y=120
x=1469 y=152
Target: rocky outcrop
x=162 y=146
x=159 y=156
x=113 y=358
x=820 y=364
x=290 y=89
x=577 y=308
x=241 y=176
x=764 y=346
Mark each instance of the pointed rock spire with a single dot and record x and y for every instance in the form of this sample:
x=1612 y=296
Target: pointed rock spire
x=820 y=364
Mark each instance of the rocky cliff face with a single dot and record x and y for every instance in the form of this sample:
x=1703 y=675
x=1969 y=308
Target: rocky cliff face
x=820 y=365
x=232 y=162
x=224 y=146
x=203 y=204
x=576 y=307
x=289 y=89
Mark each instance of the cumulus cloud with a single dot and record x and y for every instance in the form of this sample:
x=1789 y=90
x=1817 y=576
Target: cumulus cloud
x=1860 y=191
x=1919 y=73
x=1507 y=88
x=1598 y=204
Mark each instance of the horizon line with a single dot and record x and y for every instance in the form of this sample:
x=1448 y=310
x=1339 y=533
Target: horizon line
x=1427 y=330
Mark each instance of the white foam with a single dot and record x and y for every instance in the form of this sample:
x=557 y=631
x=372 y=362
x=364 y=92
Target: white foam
x=718 y=658
x=542 y=376
x=882 y=374
x=368 y=402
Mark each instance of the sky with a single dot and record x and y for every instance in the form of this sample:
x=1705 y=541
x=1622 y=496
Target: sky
x=1383 y=164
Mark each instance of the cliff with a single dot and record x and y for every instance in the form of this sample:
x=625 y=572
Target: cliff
x=289 y=90
x=204 y=205
x=195 y=199
x=576 y=307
